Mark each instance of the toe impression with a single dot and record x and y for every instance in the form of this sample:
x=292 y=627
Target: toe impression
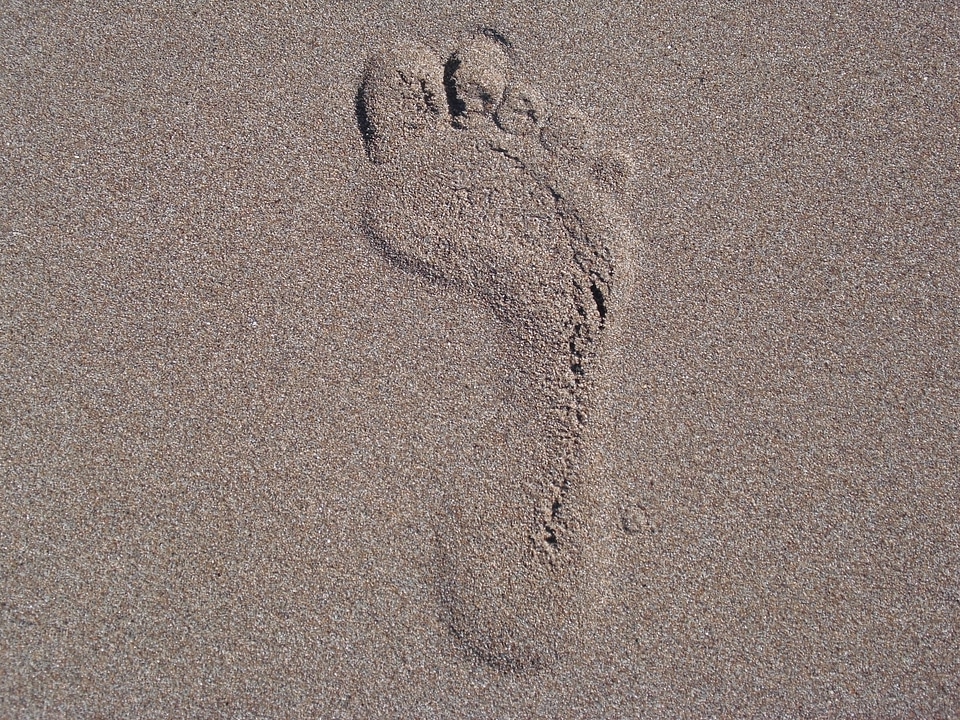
x=400 y=98
x=568 y=131
x=475 y=80
x=521 y=112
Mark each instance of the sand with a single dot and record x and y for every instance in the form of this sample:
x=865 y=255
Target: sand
x=561 y=361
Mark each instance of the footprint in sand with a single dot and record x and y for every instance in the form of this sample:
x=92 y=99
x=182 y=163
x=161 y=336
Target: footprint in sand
x=477 y=184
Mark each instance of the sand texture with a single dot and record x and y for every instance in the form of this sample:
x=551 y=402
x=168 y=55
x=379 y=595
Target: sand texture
x=479 y=360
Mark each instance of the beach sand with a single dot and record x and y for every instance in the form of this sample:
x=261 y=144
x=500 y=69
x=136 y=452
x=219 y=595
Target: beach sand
x=458 y=360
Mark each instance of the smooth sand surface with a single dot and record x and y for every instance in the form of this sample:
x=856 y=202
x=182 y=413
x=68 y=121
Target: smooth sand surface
x=265 y=453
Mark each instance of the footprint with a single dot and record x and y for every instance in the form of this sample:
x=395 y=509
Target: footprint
x=476 y=183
